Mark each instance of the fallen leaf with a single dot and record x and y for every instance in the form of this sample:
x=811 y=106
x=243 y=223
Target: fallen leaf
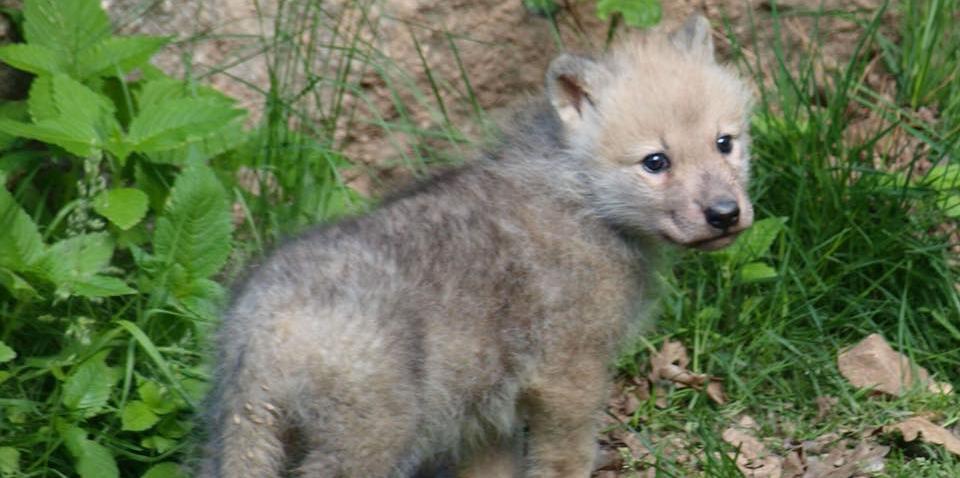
x=715 y=392
x=872 y=363
x=793 y=465
x=753 y=459
x=842 y=461
x=927 y=431
x=670 y=365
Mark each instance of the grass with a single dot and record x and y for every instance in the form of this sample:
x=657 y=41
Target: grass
x=863 y=248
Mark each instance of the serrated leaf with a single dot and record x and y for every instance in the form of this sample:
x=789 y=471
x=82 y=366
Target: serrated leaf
x=6 y=353
x=88 y=386
x=176 y=123
x=154 y=93
x=137 y=416
x=67 y=114
x=100 y=286
x=756 y=271
x=20 y=243
x=40 y=102
x=76 y=138
x=9 y=461
x=636 y=13
x=18 y=288
x=35 y=59
x=74 y=265
x=77 y=102
x=156 y=397
x=756 y=241
x=194 y=229
x=165 y=470
x=124 y=207
x=117 y=53
x=65 y=26
x=203 y=297
x=96 y=461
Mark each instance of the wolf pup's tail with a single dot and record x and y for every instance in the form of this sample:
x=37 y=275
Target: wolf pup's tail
x=244 y=426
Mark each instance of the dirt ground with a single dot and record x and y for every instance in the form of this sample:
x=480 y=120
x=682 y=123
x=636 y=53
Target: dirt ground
x=503 y=48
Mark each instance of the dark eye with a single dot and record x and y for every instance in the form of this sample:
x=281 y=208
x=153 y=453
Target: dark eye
x=725 y=144
x=656 y=163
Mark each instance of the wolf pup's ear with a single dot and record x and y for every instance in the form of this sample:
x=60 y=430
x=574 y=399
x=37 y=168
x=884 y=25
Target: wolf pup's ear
x=694 y=36
x=572 y=82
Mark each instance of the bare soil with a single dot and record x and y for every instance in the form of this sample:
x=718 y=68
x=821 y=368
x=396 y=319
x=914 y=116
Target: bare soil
x=503 y=48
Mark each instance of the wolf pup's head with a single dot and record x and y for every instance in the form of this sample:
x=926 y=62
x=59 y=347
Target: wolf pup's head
x=662 y=132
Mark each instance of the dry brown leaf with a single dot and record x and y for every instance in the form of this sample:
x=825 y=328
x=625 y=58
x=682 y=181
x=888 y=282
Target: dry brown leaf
x=793 y=465
x=753 y=459
x=670 y=365
x=928 y=431
x=872 y=363
x=842 y=461
x=715 y=391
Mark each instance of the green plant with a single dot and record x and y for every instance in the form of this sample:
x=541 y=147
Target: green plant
x=111 y=233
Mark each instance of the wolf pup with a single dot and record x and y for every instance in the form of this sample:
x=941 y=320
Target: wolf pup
x=472 y=321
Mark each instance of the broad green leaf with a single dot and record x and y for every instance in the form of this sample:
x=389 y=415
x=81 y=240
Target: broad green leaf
x=74 y=265
x=20 y=243
x=67 y=114
x=100 y=286
x=117 y=53
x=944 y=177
x=124 y=207
x=203 y=297
x=636 y=13
x=35 y=59
x=77 y=257
x=156 y=92
x=88 y=386
x=91 y=459
x=157 y=398
x=76 y=138
x=227 y=138
x=175 y=123
x=195 y=228
x=165 y=470
x=40 y=102
x=756 y=271
x=9 y=461
x=77 y=102
x=170 y=427
x=6 y=353
x=96 y=461
x=19 y=288
x=950 y=204
x=158 y=443
x=756 y=241
x=65 y=26
x=137 y=416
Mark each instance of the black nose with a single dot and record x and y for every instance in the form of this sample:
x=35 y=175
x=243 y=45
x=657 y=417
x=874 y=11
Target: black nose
x=723 y=214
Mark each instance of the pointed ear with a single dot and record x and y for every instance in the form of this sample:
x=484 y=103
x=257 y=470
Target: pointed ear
x=572 y=82
x=694 y=36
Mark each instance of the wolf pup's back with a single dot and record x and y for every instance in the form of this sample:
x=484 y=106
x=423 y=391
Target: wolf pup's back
x=472 y=321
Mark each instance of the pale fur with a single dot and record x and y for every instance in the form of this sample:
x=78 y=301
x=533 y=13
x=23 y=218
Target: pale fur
x=469 y=323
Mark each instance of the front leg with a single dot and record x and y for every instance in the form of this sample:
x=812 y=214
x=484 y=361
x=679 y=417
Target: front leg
x=563 y=410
